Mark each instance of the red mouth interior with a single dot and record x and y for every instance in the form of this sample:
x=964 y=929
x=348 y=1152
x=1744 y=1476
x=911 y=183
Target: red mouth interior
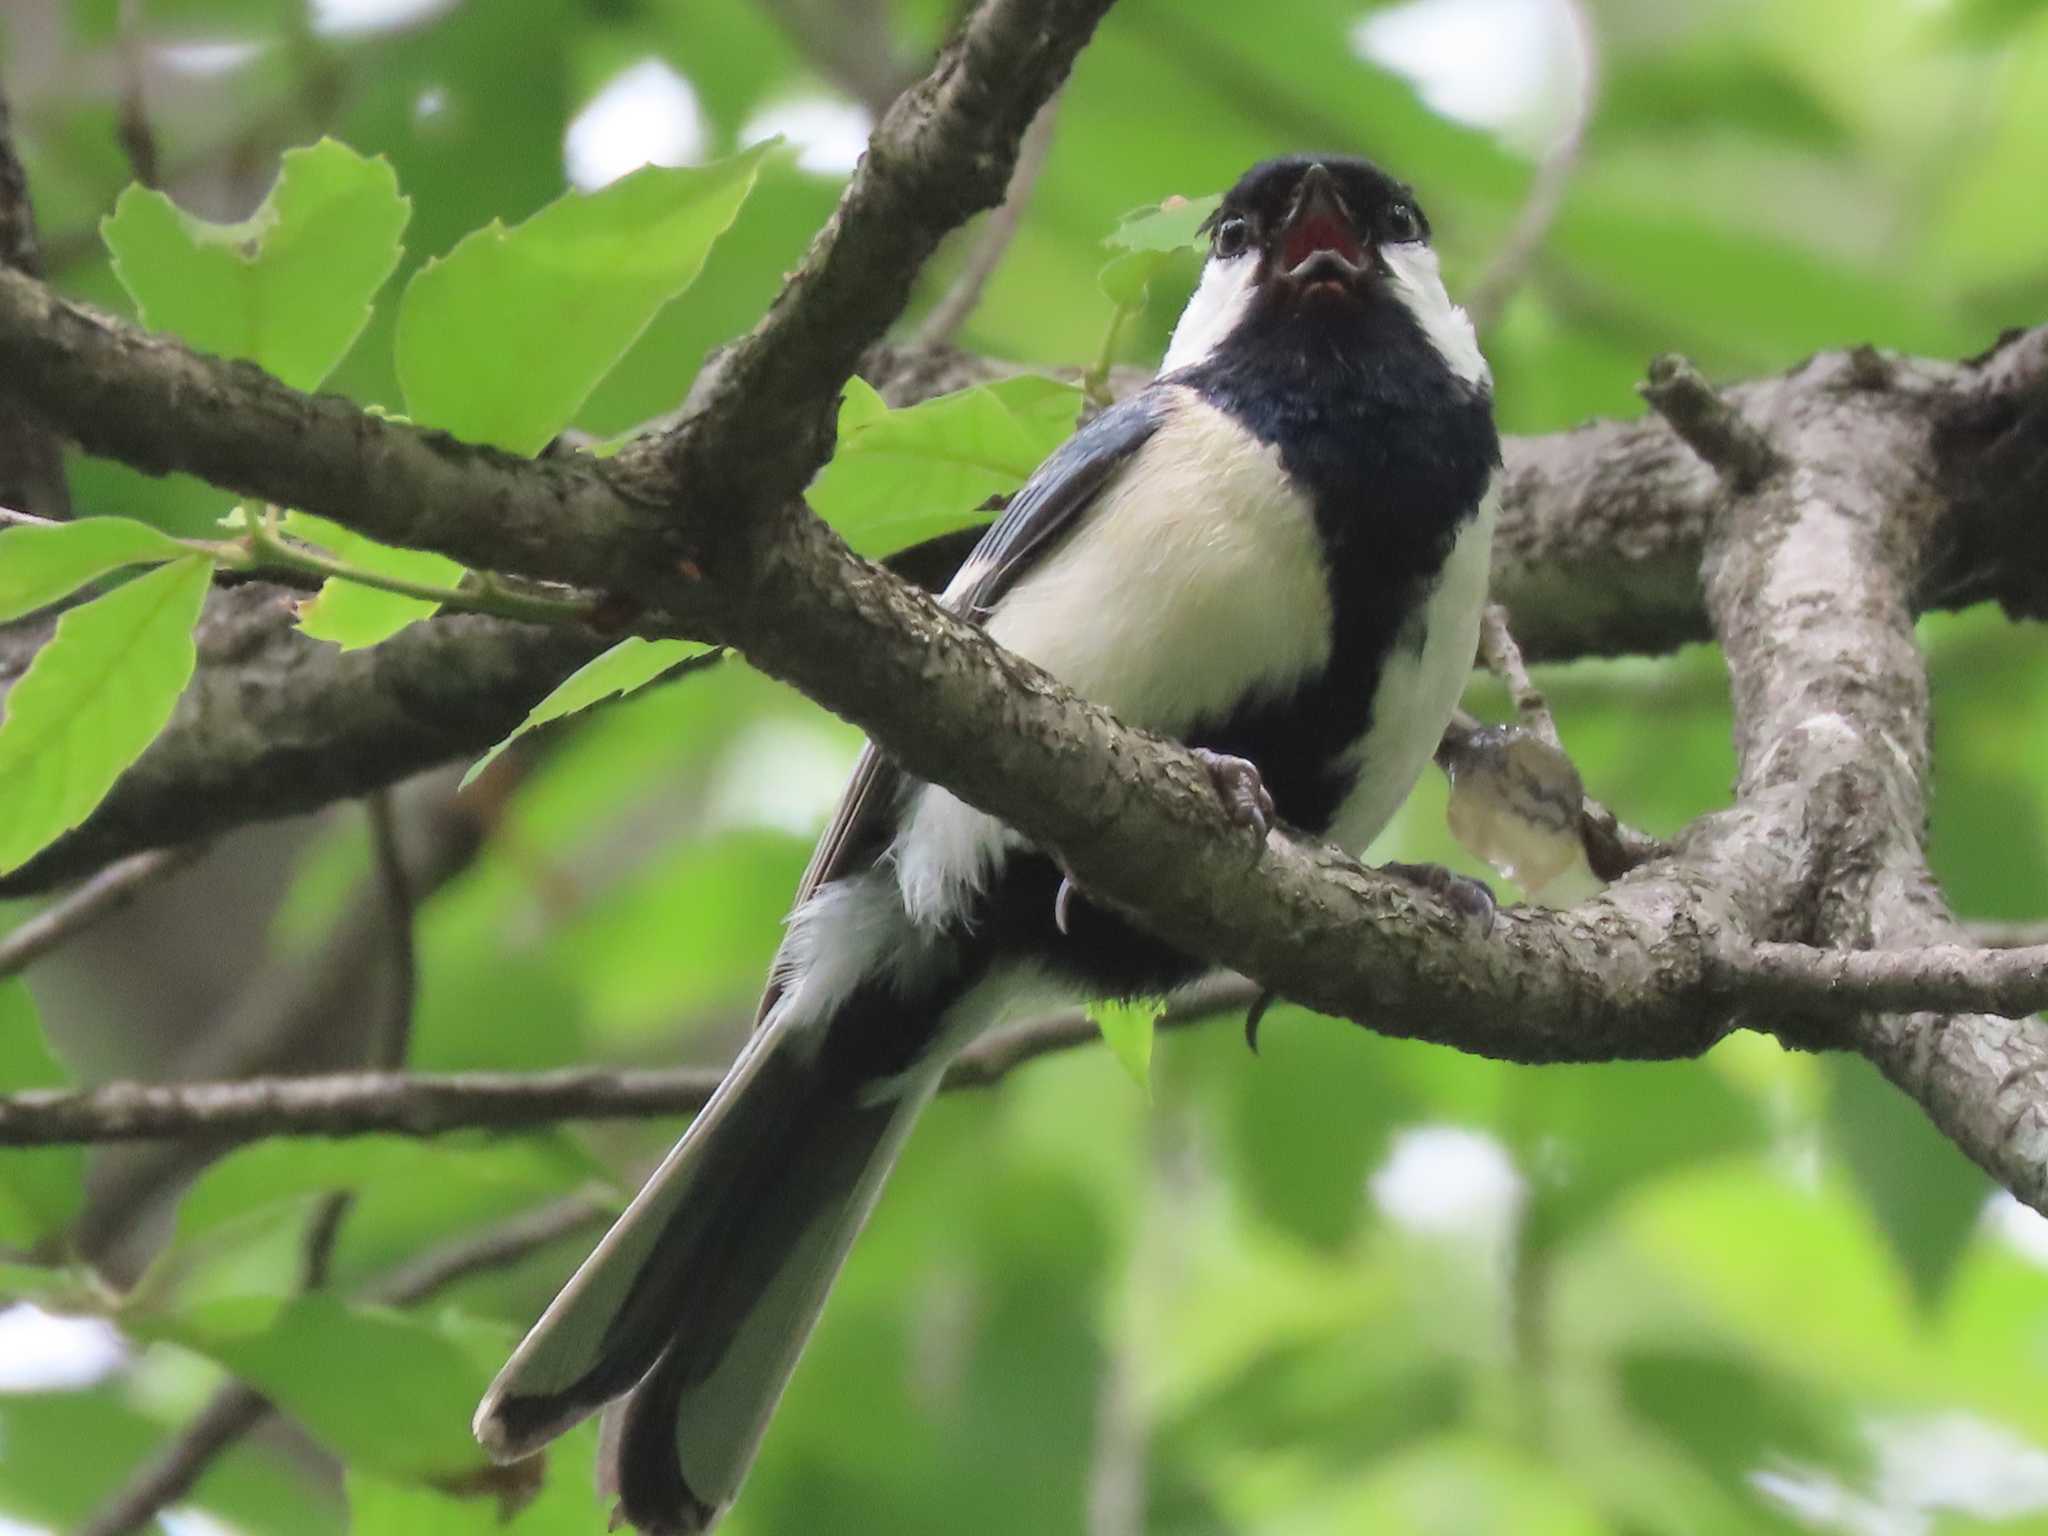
x=1319 y=231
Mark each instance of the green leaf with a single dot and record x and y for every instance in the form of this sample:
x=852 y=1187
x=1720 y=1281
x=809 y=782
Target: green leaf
x=259 y=1177
x=388 y=1391
x=1129 y=1028
x=1310 y=1117
x=1726 y=84
x=290 y=286
x=92 y=699
x=1590 y=1134
x=1925 y=1194
x=899 y=477
x=1994 y=21
x=501 y=340
x=1128 y=278
x=347 y=612
x=633 y=663
x=42 y=1188
x=1171 y=226
x=40 y=564
x=66 y=1449
x=561 y=1506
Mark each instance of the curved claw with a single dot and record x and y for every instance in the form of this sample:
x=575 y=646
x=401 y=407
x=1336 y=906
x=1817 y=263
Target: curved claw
x=1062 y=905
x=1252 y=1015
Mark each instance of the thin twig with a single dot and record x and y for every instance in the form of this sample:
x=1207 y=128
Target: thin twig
x=496 y=1247
x=1503 y=658
x=1511 y=263
x=235 y=1409
x=105 y=893
x=167 y=1477
x=997 y=231
x=1710 y=426
x=421 y=1104
x=392 y=1042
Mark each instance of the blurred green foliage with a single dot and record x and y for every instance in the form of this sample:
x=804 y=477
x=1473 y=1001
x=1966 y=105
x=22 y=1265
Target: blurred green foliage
x=1350 y=1285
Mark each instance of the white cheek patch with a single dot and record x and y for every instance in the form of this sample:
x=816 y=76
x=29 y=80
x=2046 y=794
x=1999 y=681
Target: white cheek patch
x=1419 y=285
x=1219 y=302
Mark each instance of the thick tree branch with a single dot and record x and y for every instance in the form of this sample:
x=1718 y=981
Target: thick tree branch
x=944 y=152
x=1602 y=530
x=1599 y=548
x=31 y=457
x=1811 y=579
x=274 y=724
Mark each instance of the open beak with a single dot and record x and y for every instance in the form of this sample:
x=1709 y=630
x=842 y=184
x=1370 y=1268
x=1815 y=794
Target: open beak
x=1319 y=243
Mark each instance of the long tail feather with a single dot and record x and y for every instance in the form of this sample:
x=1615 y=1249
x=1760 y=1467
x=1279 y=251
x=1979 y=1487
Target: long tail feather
x=699 y=1300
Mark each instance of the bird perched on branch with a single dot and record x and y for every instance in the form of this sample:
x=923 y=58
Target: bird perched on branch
x=1276 y=552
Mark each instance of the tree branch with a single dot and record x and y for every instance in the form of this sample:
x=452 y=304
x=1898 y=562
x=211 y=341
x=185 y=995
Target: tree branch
x=106 y=892
x=236 y=1409
x=31 y=458
x=422 y=1104
x=274 y=723
x=993 y=241
x=1603 y=537
x=1764 y=980
x=1510 y=265
x=1810 y=579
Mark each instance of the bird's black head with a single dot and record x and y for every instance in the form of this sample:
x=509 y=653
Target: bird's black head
x=1316 y=225
x=1329 y=258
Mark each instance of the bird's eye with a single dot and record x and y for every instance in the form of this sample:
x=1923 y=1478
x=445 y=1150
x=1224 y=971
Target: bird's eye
x=1402 y=223
x=1231 y=237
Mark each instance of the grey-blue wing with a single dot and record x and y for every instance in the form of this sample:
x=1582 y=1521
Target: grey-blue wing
x=1051 y=502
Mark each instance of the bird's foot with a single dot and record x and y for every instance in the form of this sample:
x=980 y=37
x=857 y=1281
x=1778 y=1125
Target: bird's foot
x=1240 y=788
x=1244 y=796
x=1469 y=898
x=1253 y=1014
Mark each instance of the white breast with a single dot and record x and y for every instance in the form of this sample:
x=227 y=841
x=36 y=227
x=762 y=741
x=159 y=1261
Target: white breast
x=1419 y=687
x=1198 y=584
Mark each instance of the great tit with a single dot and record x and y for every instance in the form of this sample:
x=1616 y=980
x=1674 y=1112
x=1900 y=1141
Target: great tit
x=1275 y=552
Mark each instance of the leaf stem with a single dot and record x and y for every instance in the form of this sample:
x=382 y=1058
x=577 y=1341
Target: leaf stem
x=1095 y=382
x=262 y=548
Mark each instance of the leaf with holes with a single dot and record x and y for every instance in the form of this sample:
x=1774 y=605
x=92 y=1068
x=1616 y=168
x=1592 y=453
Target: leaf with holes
x=501 y=340
x=290 y=286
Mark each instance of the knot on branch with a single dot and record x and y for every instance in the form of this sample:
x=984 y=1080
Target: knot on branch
x=1710 y=426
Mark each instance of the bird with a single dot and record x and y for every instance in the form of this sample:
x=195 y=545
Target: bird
x=1275 y=553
